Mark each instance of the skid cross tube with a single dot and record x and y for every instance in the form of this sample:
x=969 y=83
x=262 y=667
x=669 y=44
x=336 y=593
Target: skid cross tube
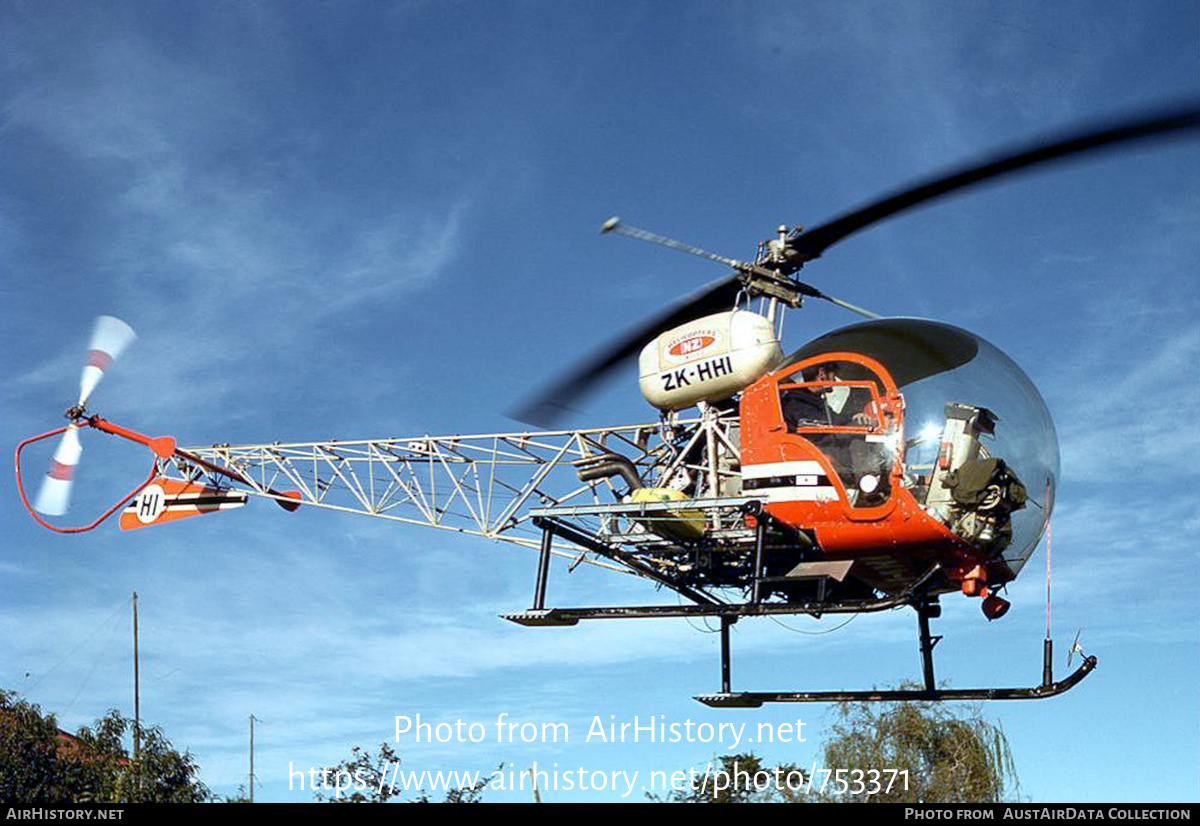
x=543 y=571
x=725 y=623
x=925 y=610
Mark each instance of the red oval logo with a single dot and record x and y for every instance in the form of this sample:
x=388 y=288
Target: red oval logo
x=691 y=344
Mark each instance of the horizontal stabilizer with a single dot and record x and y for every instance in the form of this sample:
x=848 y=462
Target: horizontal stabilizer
x=165 y=500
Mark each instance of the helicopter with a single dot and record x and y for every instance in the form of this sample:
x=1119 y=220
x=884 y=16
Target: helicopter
x=886 y=464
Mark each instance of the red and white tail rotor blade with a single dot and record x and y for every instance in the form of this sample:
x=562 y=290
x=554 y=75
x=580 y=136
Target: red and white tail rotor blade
x=54 y=496
x=109 y=338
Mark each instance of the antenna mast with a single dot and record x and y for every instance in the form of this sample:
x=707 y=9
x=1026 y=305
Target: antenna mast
x=137 y=699
x=251 y=758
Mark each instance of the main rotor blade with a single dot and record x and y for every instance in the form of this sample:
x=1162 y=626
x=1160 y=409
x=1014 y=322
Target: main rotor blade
x=1159 y=125
x=558 y=398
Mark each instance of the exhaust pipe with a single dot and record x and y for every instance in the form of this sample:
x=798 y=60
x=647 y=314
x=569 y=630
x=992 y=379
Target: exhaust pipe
x=607 y=465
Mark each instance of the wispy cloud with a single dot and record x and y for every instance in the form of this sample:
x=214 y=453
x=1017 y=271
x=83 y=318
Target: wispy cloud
x=218 y=226
x=1136 y=418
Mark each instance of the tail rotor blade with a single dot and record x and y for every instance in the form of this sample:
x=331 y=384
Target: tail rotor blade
x=54 y=495
x=110 y=337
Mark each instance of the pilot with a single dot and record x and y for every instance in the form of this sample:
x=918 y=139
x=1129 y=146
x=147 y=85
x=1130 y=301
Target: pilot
x=802 y=405
x=838 y=405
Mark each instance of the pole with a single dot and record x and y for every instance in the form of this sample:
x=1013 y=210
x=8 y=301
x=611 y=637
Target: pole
x=137 y=697
x=251 y=758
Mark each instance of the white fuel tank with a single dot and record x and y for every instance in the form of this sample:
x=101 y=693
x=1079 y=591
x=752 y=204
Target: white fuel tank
x=709 y=359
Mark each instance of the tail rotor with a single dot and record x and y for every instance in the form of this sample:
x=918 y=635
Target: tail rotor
x=54 y=495
x=110 y=337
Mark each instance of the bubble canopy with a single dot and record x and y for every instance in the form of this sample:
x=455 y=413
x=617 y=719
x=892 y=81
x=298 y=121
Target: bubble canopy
x=935 y=365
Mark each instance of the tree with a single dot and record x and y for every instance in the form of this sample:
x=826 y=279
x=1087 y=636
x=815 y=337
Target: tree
x=242 y=796
x=741 y=778
x=367 y=778
x=946 y=758
x=903 y=752
x=39 y=763
x=29 y=767
x=361 y=779
x=466 y=794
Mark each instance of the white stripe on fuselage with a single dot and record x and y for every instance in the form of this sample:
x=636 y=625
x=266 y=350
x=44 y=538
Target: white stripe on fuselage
x=804 y=487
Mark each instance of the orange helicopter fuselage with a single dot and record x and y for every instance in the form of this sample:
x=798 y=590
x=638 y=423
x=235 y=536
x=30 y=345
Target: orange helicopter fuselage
x=812 y=478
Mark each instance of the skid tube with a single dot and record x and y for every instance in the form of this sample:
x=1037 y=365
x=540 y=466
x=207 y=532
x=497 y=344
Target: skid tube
x=706 y=606
x=929 y=692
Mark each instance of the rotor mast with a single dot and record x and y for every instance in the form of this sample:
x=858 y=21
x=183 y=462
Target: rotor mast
x=768 y=276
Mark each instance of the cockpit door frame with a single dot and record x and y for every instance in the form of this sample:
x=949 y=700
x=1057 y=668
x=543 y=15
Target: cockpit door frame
x=886 y=407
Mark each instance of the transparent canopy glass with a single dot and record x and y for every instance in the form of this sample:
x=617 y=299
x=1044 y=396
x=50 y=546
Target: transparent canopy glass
x=936 y=365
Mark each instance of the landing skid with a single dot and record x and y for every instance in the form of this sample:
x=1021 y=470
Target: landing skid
x=755 y=699
x=705 y=605
x=918 y=596
x=729 y=614
x=928 y=693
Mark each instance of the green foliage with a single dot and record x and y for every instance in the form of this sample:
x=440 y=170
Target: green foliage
x=363 y=778
x=29 y=767
x=367 y=778
x=39 y=765
x=910 y=752
x=741 y=778
x=242 y=796
x=949 y=758
x=467 y=794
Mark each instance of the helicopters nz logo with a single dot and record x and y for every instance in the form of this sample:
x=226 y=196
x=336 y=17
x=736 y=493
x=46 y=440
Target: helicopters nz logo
x=687 y=347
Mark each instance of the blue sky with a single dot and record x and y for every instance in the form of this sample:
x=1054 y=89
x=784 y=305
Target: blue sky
x=362 y=220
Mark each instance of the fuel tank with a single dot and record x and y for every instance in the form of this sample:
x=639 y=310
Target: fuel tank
x=709 y=359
